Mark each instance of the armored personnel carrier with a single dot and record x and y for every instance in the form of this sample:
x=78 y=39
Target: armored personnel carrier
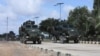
x=64 y=34
x=29 y=32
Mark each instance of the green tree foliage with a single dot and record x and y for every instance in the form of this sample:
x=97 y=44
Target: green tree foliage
x=4 y=35
x=78 y=17
x=96 y=14
x=81 y=18
x=96 y=10
x=11 y=35
x=1 y=36
x=8 y=36
x=47 y=24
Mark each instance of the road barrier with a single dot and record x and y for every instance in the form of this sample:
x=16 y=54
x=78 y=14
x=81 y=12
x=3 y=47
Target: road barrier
x=51 y=52
x=90 y=42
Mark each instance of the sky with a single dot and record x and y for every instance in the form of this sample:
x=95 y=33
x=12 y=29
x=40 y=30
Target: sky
x=19 y=11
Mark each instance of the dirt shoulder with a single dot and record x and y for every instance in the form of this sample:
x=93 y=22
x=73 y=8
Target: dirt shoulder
x=16 y=49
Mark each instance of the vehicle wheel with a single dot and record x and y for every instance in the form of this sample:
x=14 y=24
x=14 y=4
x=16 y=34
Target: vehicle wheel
x=76 y=41
x=62 y=41
x=21 y=41
x=67 y=41
x=34 y=42
x=25 y=42
x=39 y=42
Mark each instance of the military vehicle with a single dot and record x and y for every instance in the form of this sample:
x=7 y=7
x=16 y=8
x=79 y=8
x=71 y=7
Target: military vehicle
x=29 y=32
x=64 y=34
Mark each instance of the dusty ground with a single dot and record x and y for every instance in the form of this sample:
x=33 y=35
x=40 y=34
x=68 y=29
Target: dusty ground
x=18 y=49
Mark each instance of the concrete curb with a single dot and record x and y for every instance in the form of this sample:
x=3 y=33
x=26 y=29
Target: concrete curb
x=89 y=42
x=53 y=52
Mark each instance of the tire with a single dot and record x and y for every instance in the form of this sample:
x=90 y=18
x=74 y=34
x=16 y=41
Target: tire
x=25 y=42
x=21 y=41
x=34 y=42
x=62 y=41
x=76 y=41
x=67 y=41
x=39 y=42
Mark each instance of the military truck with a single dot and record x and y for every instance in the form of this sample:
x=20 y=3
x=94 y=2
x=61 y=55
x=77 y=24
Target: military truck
x=64 y=34
x=29 y=32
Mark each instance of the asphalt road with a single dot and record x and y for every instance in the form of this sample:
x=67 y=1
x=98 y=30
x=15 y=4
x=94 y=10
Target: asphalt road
x=74 y=49
x=14 y=48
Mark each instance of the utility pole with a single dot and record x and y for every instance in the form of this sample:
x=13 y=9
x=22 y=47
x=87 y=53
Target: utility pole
x=7 y=30
x=60 y=4
x=36 y=19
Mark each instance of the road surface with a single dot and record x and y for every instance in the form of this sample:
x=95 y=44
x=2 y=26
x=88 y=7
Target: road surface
x=15 y=48
x=8 y=48
x=74 y=49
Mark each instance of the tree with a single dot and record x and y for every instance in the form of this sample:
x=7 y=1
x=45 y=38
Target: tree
x=47 y=24
x=79 y=18
x=4 y=35
x=96 y=10
x=1 y=36
x=96 y=14
x=11 y=35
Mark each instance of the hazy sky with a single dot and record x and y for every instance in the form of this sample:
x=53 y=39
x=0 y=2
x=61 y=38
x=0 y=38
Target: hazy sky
x=19 y=11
